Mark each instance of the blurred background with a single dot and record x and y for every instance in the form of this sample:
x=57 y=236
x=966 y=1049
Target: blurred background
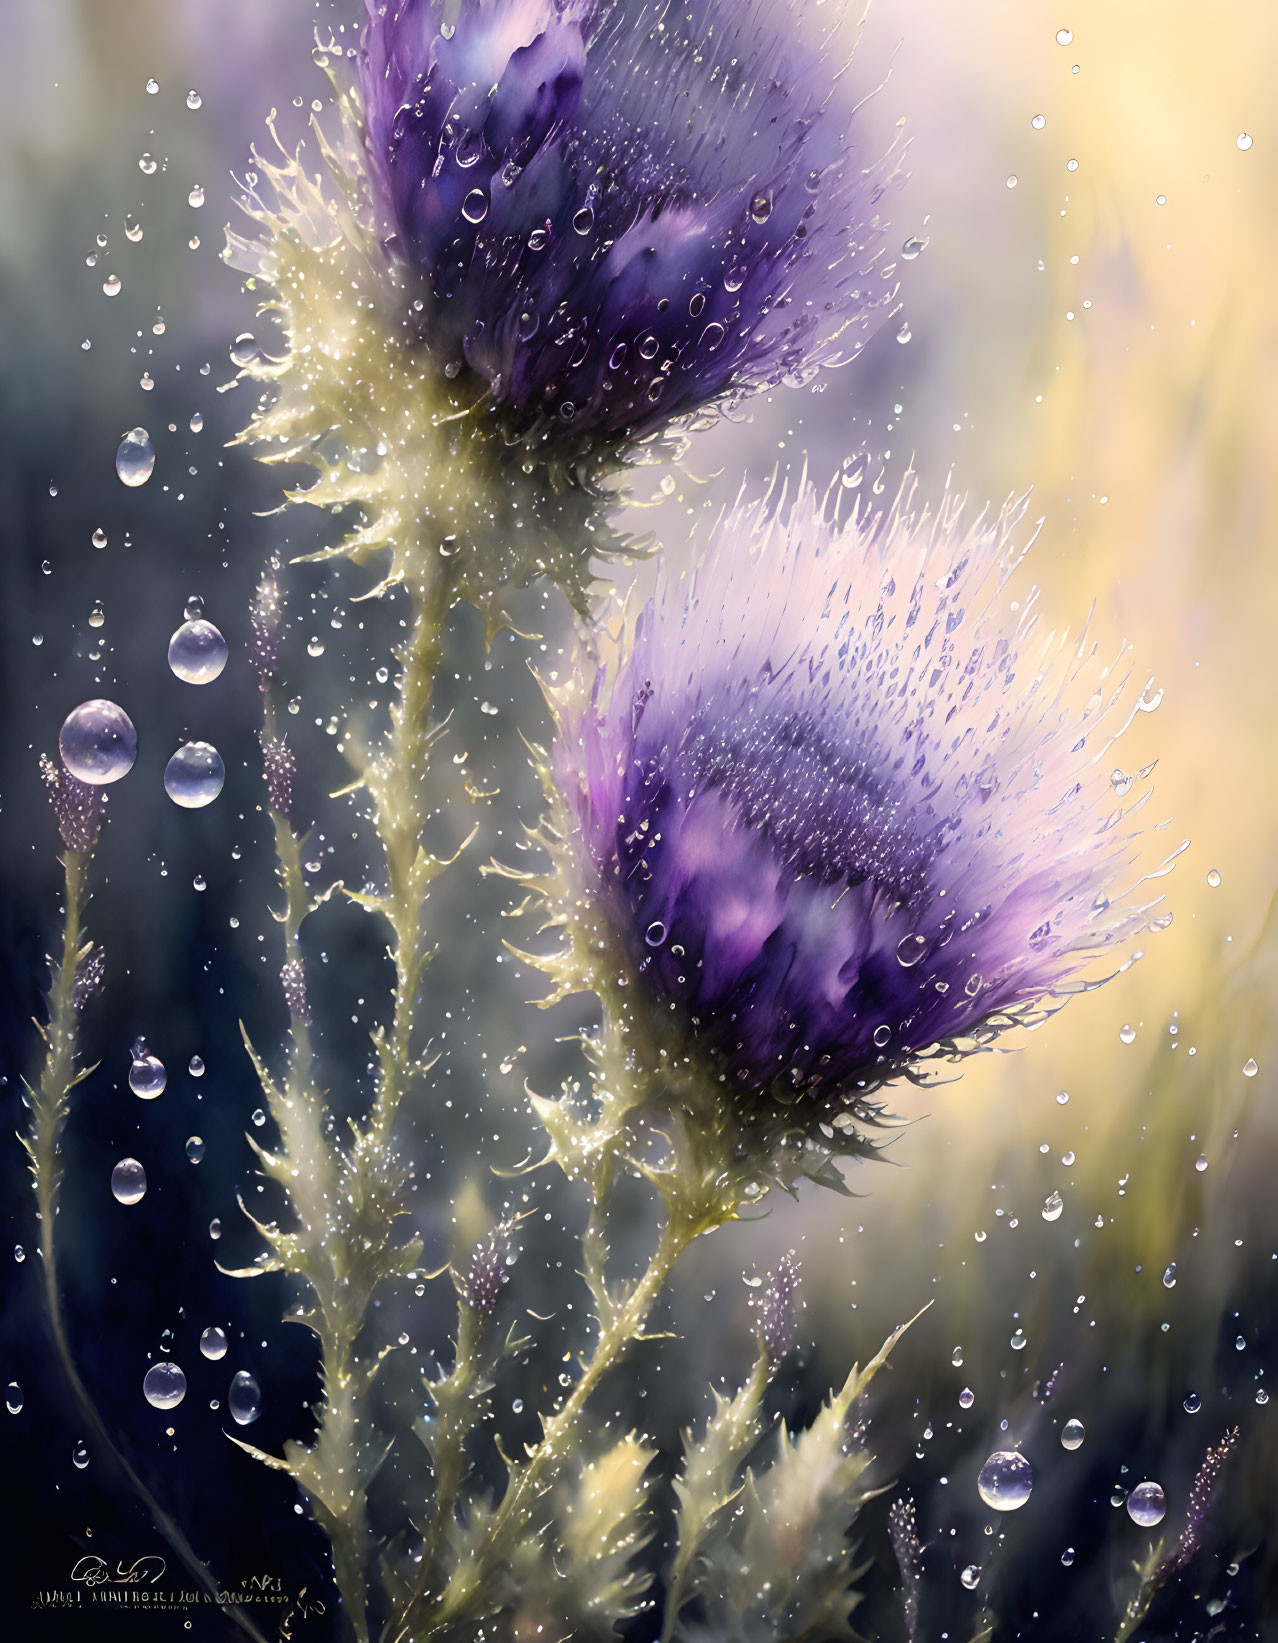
x=1092 y=317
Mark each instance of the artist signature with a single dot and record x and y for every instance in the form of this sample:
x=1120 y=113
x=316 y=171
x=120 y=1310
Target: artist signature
x=94 y=1571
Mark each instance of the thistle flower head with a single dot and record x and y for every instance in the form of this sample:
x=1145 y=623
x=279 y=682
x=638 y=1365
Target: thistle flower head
x=843 y=808
x=619 y=212
x=77 y=806
x=486 y=1279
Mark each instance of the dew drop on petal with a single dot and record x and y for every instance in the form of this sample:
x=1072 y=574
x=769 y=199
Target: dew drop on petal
x=98 y=742
x=128 y=1182
x=909 y=950
x=194 y=775
x=475 y=205
x=244 y=1399
x=213 y=1342
x=135 y=459
x=1072 y=1434
x=164 y=1386
x=1147 y=1504
x=1005 y=1481
x=197 y=653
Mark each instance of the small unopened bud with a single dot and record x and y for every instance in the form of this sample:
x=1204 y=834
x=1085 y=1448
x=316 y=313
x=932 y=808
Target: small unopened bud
x=77 y=806
x=266 y=620
x=489 y=1273
x=903 y=1528
x=88 y=979
x=293 y=980
x=777 y=1324
x=280 y=767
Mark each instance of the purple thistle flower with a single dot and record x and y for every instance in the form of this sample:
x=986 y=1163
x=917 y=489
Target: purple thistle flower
x=485 y=1282
x=618 y=212
x=77 y=806
x=843 y=808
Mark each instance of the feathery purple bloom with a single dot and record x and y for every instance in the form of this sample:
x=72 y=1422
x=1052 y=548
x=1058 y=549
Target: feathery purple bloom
x=620 y=212
x=842 y=805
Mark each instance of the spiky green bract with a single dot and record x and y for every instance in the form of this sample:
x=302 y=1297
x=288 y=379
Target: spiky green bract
x=778 y=1567
x=460 y=506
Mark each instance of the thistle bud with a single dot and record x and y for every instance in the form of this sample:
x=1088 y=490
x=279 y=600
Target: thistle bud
x=489 y=1272
x=293 y=981
x=77 y=806
x=280 y=769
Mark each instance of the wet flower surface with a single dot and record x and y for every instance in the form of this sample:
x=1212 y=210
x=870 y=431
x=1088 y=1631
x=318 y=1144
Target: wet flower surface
x=843 y=803
x=620 y=212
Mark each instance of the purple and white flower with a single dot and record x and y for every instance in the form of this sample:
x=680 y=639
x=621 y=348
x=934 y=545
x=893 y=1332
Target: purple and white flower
x=843 y=806
x=617 y=213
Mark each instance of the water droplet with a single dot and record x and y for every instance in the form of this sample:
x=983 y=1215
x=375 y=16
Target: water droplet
x=112 y=285
x=909 y=950
x=146 y=165
x=13 y=1399
x=1062 y=1099
x=1193 y=1403
x=196 y=197
x=213 y=1342
x=956 y=1357
x=197 y=652
x=1072 y=1434
x=195 y=1148
x=966 y=1398
x=244 y=1400
x=152 y=87
x=244 y=350
x=475 y=205
x=904 y=334
x=584 y=220
x=971 y=1577
x=135 y=459
x=80 y=1456
x=1011 y=181
x=97 y=616
x=655 y=934
x=1169 y=1276
x=194 y=775
x=853 y=471
x=1262 y=1397
x=1039 y=121
x=760 y=208
x=98 y=742
x=912 y=247
x=215 y=1228
x=1005 y=1481
x=881 y=1034
x=1067 y=1556
x=1250 y=1069
x=147 y=1076
x=1147 y=1504
x=1017 y=1342
x=19 y=1254
x=1244 y=141
x=1053 y=1204
x=128 y=1182
x=1067 y=1158
x=518 y=1406
x=193 y=99
x=1064 y=36
x=1200 y=1163
x=164 y=1386
x=197 y=422
x=195 y=1066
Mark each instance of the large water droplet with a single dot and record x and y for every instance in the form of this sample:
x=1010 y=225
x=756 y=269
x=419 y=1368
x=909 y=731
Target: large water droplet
x=1147 y=1504
x=971 y=1577
x=13 y=1399
x=244 y=1400
x=135 y=459
x=128 y=1182
x=966 y=1398
x=1005 y=1481
x=213 y=1342
x=164 y=1385
x=197 y=652
x=195 y=1148
x=1053 y=1204
x=98 y=742
x=1072 y=1434
x=909 y=950
x=147 y=1076
x=475 y=205
x=194 y=775
x=80 y=1456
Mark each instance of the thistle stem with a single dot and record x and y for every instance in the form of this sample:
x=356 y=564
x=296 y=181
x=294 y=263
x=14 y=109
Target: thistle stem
x=559 y=1436
x=50 y=1103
